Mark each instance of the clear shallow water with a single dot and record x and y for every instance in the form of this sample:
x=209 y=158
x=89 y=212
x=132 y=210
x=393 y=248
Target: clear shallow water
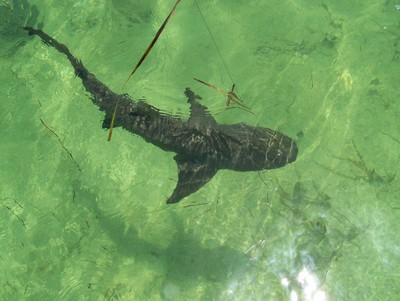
x=323 y=228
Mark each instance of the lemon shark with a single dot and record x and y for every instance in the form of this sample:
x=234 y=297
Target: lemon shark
x=202 y=146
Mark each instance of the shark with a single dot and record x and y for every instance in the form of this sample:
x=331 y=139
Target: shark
x=202 y=146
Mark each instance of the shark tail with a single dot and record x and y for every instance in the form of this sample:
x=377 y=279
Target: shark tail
x=80 y=70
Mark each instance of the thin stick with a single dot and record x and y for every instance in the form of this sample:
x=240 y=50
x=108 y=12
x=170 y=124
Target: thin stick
x=140 y=62
x=62 y=145
x=386 y=134
x=16 y=215
x=231 y=95
x=211 y=86
x=152 y=43
x=193 y=205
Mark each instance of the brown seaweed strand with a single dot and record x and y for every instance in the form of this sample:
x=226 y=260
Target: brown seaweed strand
x=140 y=62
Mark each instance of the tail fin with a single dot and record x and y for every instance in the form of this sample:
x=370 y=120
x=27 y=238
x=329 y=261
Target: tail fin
x=80 y=70
x=102 y=96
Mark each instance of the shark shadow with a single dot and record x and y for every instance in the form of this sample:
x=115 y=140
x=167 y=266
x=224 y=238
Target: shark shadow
x=201 y=145
x=183 y=260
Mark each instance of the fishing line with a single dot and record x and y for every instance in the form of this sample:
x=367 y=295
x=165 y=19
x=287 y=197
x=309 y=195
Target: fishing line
x=215 y=43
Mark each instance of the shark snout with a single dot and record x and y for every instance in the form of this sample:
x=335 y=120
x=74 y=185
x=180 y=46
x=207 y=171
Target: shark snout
x=283 y=153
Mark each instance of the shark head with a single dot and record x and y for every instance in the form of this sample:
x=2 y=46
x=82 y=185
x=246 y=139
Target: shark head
x=257 y=148
x=238 y=147
x=280 y=152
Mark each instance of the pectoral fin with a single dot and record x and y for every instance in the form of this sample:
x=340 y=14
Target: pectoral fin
x=192 y=176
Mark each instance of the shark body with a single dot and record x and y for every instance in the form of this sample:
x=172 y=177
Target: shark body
x=201 y=145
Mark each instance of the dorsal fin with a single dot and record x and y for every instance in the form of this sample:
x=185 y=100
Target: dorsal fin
x=199 y=114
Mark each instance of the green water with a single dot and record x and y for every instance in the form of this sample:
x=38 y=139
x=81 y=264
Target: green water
x=97 y=228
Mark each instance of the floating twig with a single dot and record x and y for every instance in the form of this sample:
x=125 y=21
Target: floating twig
x=231 y=95
x=61 y=143
x=390 y=136
x=16 y=215
x=140 y=62
x=193 y=205
x=12 y=211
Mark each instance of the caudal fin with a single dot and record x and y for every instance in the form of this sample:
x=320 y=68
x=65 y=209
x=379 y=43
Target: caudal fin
x=80 y=70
